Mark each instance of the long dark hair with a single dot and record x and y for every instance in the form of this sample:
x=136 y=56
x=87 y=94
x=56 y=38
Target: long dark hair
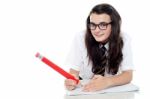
x=115 y=56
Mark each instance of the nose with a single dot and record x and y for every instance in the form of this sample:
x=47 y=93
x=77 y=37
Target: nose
x=97 y=29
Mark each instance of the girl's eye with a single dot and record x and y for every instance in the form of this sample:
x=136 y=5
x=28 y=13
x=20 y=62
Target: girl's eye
x=103 y=24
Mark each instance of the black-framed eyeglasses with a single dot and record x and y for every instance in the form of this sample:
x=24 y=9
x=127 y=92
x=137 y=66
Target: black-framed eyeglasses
x=101 y=26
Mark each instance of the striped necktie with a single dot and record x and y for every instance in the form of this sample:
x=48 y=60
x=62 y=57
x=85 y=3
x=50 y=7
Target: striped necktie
x=103 y=59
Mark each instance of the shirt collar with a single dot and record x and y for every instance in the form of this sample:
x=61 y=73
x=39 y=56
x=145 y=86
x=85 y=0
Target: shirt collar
x=106 y=46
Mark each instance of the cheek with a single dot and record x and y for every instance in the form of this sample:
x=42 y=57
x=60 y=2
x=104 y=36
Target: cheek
x=92 y=31
x=102 y=38
x=107 y=34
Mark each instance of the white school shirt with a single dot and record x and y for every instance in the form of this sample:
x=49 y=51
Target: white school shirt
x=78 y=60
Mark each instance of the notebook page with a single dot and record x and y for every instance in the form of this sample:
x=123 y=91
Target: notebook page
x=123 y=88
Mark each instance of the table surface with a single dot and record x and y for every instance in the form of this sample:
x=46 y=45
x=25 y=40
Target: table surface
x=122 y=95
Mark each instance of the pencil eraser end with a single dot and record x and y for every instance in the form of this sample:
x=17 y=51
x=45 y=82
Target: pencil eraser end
x=37 y=54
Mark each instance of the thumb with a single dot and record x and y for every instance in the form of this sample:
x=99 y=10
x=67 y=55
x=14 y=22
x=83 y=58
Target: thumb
x=75 y=76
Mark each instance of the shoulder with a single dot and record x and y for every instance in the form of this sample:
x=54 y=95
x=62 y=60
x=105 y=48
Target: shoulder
x=127 y=63
x=126 y=37
x=80 y=35
x=80 y=38
x=126 y=41
x=79 y=42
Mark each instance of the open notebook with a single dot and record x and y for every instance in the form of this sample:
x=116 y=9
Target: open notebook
x=123 y=88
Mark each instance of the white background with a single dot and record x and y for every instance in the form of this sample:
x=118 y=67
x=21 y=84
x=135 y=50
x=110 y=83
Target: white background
x=48 y=27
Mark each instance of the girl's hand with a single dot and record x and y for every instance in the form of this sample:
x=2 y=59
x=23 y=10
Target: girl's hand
x=98 y=82
x=70 y=84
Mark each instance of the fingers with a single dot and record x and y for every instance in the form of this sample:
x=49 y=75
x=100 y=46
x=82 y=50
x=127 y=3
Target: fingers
x=70 y=88
x=88 y=88
x=75 y=76
x=70 y=84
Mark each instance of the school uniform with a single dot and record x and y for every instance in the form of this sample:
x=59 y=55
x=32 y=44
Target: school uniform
x=77 y=58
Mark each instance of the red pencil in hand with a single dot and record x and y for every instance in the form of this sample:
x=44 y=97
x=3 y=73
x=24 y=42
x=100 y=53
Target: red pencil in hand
x=56 y=68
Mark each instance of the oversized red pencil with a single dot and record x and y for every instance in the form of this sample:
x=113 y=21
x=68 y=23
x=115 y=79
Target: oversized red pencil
x=56 y=68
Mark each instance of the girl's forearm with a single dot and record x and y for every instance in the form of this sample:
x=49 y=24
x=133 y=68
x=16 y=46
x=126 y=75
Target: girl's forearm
x=121 y=79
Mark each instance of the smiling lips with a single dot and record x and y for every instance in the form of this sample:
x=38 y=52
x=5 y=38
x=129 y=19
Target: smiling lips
x=98 y=35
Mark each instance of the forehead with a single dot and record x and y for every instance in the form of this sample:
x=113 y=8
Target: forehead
x=97 y=18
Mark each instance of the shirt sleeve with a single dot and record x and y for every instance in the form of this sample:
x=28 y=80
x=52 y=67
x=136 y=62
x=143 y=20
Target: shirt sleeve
x=127 y=62
x=74 y=57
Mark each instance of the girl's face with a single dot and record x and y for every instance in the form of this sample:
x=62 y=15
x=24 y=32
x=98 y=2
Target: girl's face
x=100 y=26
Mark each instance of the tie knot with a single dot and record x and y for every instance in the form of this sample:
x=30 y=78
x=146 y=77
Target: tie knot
x=102 y=48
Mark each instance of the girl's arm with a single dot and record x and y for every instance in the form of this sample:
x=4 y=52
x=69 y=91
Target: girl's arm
x=123 y=78
x=99 y=82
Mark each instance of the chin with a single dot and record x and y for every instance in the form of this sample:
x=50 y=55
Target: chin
x=99 y=39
